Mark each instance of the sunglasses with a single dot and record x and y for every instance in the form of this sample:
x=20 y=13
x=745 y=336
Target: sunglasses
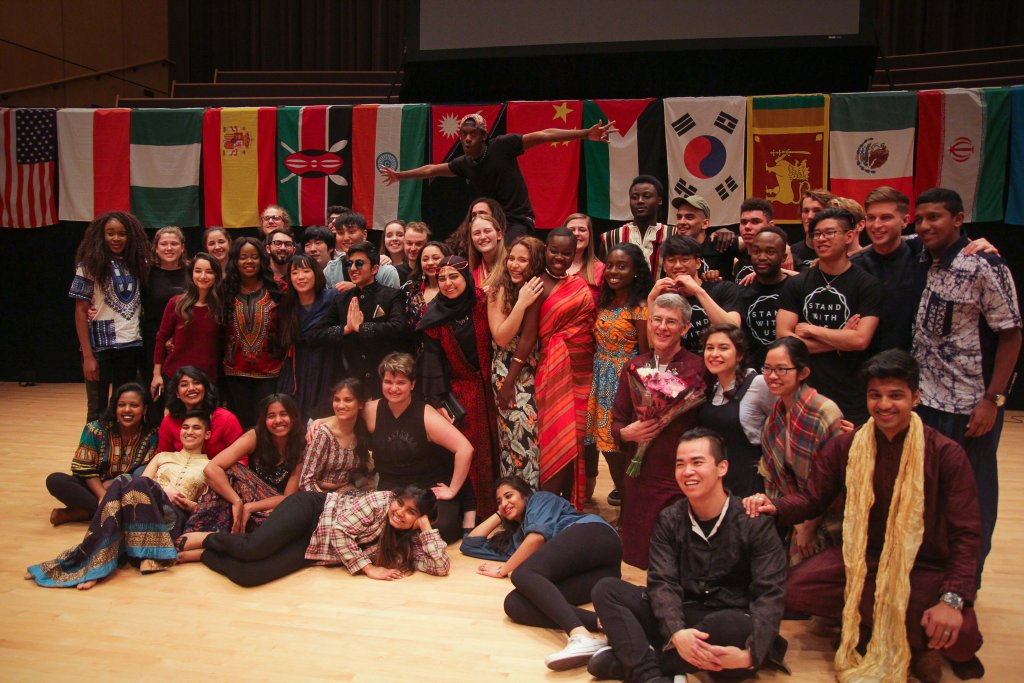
x=356 y=264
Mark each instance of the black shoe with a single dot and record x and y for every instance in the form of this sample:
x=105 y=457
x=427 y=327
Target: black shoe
x=604 y=665
x=615 y=498
x=972 y=668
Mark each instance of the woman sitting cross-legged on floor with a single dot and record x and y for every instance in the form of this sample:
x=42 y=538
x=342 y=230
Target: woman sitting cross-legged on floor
x=138 y=519
x=555 y=556
x=337 y=458
x=385 y=535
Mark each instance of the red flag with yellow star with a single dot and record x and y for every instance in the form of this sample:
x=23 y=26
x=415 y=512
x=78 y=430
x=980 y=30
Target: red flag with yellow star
x=551 y=170
x=444 y=124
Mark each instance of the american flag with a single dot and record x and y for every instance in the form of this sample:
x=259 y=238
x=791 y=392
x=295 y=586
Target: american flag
x=29 y=140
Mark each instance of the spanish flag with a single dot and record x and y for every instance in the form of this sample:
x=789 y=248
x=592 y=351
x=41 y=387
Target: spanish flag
x=239 y=164
x=787 y=150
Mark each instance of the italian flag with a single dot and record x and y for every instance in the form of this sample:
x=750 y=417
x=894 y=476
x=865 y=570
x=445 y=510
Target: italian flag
x=871 y=142
x=962 y=144
x=93 y=159
x=166 y=147
x=238 y=165
x=637 y=147
x=393 y=136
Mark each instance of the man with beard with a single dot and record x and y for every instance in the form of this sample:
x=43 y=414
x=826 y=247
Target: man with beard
x=645 y=199
x=760 y=299
x=280 y=248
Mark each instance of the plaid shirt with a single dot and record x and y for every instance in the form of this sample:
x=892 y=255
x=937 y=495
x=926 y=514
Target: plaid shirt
x=326 y=460
x=813 y=420
x=103 y=453
x=349 y=533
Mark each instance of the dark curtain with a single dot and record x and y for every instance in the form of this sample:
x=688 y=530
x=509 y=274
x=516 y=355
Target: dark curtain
x=911 y=26
x=272 y=35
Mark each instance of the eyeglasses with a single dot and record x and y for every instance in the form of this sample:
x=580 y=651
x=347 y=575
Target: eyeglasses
x=779 y=371
x=282 y=243
x=825 y=234
x=274 y=217
x=356 y=264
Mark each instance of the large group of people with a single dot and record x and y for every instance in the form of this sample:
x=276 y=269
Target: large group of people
x=780 y=422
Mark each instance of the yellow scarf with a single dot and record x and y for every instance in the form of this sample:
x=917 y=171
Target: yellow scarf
x=888 y=654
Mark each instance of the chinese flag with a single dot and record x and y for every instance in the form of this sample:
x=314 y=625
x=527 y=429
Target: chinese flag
x=551 y=170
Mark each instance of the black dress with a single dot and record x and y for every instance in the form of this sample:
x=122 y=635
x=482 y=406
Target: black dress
x=742 y=479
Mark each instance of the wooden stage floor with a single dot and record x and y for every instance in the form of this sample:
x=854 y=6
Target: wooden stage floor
x=323 y=624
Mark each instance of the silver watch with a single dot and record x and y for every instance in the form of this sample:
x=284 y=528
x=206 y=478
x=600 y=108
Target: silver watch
x=953 y=600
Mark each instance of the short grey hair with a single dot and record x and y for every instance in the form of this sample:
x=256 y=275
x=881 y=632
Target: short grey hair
x=674 y=302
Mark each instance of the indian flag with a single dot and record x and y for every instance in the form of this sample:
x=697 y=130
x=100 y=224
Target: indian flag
x=92 y=152
x=239 y=164
x=963 y=138
x=871 y=142
x=636 y=148
x=393 y=136
x=166 y=146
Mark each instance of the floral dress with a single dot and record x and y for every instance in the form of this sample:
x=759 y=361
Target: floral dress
x=616 y=342
x=517 y=427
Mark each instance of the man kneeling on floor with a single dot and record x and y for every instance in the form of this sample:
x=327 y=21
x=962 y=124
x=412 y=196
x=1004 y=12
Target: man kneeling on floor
x=911 y=537
x=714 y=594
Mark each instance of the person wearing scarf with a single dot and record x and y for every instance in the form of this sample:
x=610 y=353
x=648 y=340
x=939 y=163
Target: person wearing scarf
x=904 y=579
x=455 y=369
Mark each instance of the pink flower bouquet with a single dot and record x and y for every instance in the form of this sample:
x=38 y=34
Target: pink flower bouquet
x=660 y=395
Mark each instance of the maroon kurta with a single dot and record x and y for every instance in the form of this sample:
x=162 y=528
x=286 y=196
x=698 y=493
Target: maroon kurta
x=947 y=560
x=655 y=488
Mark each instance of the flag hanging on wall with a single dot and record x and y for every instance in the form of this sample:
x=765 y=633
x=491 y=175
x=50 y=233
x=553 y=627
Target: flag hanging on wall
x=1015 y=203
x=871 y=142
x=166 y=146
x=551 y=170
x=314 y=161
x=787 y=150
x=29 y=139
x=962 y=144
x=238 y=165
x=444 y=127
x=704 y=139
x=93 y=148
x=636 y=148
x=391 y=135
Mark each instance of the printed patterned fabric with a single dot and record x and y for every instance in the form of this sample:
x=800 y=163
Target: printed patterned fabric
x=118 y=306
x=616 y=342
x=519 y=454
x=213 y=513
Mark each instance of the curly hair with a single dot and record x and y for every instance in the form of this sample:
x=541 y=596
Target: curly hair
x=643 y=281
x=109 y=416
x=233 y=280
x=176 y=407
x=94 y=258
x=508 y=289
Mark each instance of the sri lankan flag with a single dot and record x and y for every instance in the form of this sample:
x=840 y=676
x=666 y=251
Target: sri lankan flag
x=787 y=150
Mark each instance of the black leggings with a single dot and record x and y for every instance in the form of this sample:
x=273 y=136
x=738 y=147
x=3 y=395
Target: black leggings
x=275 y=549
x=245 y=394
x=72 y=491
x=561 y=574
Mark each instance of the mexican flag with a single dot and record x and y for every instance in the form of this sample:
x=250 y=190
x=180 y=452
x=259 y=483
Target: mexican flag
x=238 y=165
x=551 y=170
x=704 y=139
x=444 y=127
x=787 y=150
x=93 y=161
x=871 y=142
x=1015 y=203
x=963 y=137
x=314 y=161
x=636 y=148
x=165 y=151
x=391 y=135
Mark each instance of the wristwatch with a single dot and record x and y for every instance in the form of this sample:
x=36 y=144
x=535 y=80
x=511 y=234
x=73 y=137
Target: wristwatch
x=998 y=399
x=953 y=600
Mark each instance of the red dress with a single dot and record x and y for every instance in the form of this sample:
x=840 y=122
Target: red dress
x=472 y=388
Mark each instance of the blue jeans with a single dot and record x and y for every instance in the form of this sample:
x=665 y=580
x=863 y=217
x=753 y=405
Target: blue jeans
x=981 y=452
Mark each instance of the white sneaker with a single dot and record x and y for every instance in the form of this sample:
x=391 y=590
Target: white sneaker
x=577 y=652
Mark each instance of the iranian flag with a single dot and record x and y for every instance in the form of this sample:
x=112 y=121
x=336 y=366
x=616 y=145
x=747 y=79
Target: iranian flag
x=962 y=145
x=238 y=165
x=704 y=139
x=166 y=147
x=551 y=170
x=391 y=135
x=636 y=148
x=314 y=161
x=93 y=160
x=787 y=150
x=871 y=142
x=444 y=125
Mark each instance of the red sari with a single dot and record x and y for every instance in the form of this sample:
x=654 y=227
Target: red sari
x=564 y=377
x=472 y=388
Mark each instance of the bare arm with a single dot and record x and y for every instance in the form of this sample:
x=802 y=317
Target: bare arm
x=504 y=327
x=444 y=434
x=785 y=326
x=273 y=501
x=428 y=171
x=90 y=368
x=527 y=341
x=716 y=314
x=531 y=544
x=597 y=132
x=856 y=339
x=214 y=471
x=983 y=417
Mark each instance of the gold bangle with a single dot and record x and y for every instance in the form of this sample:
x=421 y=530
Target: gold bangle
x=518 y=360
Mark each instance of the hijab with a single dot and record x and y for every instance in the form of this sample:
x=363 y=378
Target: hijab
x=443 y=310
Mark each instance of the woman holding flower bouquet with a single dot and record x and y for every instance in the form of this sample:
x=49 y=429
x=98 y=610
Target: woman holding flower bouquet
x=654 y=404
